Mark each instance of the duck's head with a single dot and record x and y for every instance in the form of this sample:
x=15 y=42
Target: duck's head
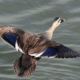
x=57 y=21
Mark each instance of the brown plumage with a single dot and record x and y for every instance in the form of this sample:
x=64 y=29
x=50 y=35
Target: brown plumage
x=34 y=46
x=24 y=66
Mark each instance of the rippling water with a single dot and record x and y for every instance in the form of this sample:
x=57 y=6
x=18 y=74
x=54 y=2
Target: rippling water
x=37 y=16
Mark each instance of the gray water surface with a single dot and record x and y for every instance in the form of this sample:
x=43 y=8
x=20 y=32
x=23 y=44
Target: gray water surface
x=37 y=16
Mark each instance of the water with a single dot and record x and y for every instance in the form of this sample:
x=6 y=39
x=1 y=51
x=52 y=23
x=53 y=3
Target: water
x=37 y=16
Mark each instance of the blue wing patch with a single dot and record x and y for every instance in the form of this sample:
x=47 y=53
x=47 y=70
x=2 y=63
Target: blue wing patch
x=10 y=38
x=49 y=52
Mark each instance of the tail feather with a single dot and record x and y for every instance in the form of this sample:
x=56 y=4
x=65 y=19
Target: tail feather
x=24 y=65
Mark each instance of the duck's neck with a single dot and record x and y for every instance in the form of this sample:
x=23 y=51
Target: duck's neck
x=51 y=30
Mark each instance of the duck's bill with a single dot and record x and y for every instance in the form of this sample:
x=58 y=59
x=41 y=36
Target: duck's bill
x=62 y=20
x=59 y=19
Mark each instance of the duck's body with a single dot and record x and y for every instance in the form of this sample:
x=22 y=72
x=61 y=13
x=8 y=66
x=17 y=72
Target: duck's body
x=34 y=46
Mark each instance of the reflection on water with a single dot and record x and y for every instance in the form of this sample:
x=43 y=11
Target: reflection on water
x=37 y=16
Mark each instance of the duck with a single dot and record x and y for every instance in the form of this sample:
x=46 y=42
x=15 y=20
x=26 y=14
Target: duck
x=34 y=46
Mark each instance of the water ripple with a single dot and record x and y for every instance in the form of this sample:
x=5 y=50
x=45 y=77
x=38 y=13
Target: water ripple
x=18 y=16
x=27 y=14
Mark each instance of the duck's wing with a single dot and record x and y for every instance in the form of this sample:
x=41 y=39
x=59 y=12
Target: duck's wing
x=10 y=34
x=59 y=51
x=52 y=49
x=24 y=65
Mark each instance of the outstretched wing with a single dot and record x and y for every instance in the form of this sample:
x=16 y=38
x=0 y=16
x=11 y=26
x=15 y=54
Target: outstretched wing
x=24 y=65
x=65 y=52
x=42 y=47
x=60 y=51
x=11 y=34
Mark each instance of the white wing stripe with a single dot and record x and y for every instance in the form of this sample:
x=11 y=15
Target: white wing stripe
x=37 y=54
x=18 y=48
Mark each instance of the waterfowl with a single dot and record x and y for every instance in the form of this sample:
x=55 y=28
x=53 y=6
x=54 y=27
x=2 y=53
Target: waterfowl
x=34 y=46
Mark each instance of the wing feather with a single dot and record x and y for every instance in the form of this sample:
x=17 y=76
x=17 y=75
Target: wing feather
x=10 y=35
x=65 y=52
x=59 y=51
x=10 y=38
